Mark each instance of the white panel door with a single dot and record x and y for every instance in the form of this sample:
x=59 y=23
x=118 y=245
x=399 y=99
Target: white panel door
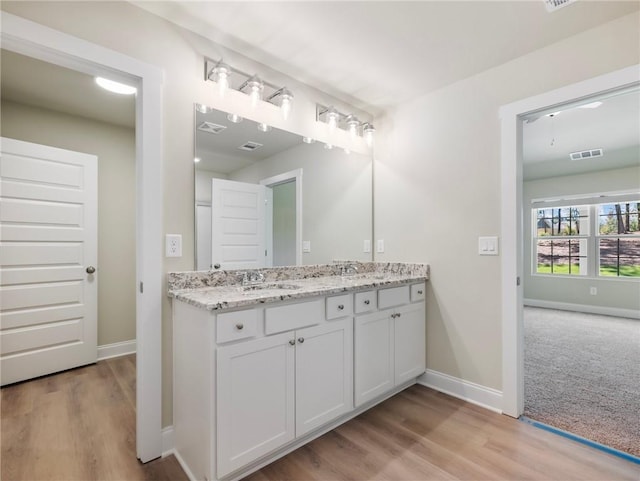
x=373 y=370
x=324 y=374
x=48 y=240
x=238 y=218
x=255 y=399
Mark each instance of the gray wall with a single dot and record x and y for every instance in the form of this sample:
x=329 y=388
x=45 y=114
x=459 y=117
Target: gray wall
x=115 y=148
x=616 y=293
x=284 y=224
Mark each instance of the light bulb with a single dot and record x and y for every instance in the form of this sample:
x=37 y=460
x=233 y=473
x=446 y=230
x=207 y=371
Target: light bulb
x=223 y=83
x=352 y=124
x=332 y=118
x=255 y=86
x=286 y=99
x=220 y=74
x=368 y=131
x=308 y=140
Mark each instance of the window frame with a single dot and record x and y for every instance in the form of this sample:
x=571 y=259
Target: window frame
x=592 y=238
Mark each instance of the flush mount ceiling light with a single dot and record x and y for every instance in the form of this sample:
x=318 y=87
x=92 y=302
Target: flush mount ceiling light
x=228 y=77
x=308 y=140
x=115 y=87
x=264 y=127
x=235 y=118
x=349 y=122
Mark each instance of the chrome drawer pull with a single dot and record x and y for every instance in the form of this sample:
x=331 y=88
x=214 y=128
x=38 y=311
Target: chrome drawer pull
x=239 y=326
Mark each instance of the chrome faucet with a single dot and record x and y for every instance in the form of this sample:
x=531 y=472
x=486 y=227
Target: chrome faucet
x=348 y=269
x=252 y=277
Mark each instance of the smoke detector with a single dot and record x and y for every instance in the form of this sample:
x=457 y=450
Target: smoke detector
x=553 y=5
x=586 y=154
x=250 y=146
x=211 y=128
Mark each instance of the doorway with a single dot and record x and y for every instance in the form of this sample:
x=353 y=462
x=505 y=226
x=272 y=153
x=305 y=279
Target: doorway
x=512 y=219
x=31 y=39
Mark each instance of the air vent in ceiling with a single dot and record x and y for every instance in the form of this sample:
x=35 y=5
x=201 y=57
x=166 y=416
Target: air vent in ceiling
x=586 y=154
x=553 y=5
x=250 y=146
x=211 y=128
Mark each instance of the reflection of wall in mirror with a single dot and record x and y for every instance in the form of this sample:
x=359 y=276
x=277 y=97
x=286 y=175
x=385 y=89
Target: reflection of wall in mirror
x=336 y=192
x=284 y=224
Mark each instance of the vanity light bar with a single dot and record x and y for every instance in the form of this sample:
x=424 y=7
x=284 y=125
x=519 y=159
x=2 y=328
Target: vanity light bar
x=349 y=122
x=257 y=89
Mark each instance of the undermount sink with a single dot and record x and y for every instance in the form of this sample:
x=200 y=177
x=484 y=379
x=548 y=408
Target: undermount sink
x=273 y=286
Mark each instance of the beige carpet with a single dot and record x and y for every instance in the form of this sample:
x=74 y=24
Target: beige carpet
x=582 y=375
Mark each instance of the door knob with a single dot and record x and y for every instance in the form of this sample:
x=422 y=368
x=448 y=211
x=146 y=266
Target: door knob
x=91 y=270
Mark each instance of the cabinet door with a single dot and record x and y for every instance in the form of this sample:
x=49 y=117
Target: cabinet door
x=409 y=342
x=373 y=356
x=324 y=374
x=255 y=400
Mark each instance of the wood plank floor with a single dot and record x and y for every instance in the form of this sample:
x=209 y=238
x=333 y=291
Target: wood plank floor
x=77 y=425
x=80 y=425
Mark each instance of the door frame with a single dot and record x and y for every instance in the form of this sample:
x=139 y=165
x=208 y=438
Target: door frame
x=295 y=175
x=35 y=40
x=512 y=218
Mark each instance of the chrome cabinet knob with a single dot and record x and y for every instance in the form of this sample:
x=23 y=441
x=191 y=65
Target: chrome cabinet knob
x=301 y=340
x=239 y=326
x=91 y=270
x=419 y=292
x=292 y=342
x=341 y=307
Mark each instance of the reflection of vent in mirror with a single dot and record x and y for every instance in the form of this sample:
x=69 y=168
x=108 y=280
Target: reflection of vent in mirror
x=211 y=128
x=250 y=146
x=553 y=5
x=586 y=154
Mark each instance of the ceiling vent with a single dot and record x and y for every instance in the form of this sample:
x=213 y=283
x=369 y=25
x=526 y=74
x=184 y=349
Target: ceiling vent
x=586 y=154
x=250 y=146
x=553 y=5
x=211 y=128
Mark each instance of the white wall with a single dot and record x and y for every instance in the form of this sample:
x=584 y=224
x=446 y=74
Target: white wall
x=115 y=148
x=180 y=54
x=336 y=198
x=613 y=293
x=437 y=188
x=203 y=184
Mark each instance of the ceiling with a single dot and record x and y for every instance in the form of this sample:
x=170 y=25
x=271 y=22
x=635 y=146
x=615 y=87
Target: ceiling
x=549 y=137
x=377 y=54
x=40 y=84
x=221 y=153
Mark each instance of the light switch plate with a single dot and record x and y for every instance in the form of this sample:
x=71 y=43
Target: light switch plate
x=380 y=247
x=173 y=245
x=367 y=246
x=488 y=246
x=306 y=246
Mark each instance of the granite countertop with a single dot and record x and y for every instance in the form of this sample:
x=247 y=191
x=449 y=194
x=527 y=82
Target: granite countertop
x=233 y=296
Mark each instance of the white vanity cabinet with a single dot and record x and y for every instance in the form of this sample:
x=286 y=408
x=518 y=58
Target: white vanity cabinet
x=253 y=383
x=390 y=343
x=276 y=388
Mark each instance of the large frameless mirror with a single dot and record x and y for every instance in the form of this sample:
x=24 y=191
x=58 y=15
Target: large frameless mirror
x=264 y=197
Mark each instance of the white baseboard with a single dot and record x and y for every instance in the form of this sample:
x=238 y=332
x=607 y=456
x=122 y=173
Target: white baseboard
x=116 y=349
x=565 y=306
x=467 y=391
x=167 y=441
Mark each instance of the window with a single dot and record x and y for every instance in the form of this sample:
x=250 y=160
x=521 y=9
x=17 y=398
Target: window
x=588 y=240
x=561 y=240
x=619 y=239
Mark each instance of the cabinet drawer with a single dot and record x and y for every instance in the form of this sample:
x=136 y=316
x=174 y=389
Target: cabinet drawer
x=232 y=326
x=339 y=306
x=365 y=302
x=394 y=296
x=417 y=292
x=293 y=316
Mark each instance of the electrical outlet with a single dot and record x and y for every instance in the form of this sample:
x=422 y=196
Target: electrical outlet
x=367 y=246
x=380 y=247
x=306 y=246
x=593 y=291
x=173 y=245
